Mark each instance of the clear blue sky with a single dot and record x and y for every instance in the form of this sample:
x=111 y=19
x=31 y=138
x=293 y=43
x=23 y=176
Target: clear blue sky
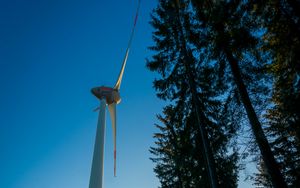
x=52 y=52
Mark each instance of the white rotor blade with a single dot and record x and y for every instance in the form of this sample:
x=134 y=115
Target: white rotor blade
x=112 y=112
x=118 y=83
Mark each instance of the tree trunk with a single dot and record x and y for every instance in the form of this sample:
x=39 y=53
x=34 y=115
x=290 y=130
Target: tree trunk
x=208 y=155
x=262 y=142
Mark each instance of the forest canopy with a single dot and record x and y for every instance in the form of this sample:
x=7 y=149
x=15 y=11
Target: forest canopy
x=227 y=70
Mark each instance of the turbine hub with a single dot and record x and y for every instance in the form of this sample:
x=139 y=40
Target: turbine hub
x=110 y=94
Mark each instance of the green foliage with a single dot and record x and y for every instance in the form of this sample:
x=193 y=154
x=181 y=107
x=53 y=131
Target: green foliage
x=179 y=153
x=282 y=41
x=231 y=54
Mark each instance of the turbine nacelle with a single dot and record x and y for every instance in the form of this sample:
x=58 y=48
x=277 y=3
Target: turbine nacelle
x=110 y=94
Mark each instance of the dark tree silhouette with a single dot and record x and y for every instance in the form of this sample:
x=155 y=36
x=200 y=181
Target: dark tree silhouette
x=280 y=20
x=189 y=84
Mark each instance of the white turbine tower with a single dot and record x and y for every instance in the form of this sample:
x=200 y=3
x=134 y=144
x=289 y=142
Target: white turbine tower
x=108 y=96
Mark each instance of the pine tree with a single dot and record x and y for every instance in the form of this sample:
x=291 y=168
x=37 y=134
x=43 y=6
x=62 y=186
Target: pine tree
x=179 y=154
x=196 y=117
x=172 y=151
x=281 y=40
x=227 y=36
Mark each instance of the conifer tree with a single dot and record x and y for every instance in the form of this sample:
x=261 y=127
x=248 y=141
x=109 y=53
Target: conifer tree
x=227 y=36
x=280 y=20
x=189 y=82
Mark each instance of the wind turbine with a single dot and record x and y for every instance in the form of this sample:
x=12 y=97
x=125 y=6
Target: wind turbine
x=108 y=96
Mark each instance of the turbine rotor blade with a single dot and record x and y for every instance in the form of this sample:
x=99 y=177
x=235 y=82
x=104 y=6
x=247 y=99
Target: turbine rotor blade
x=118 y=83
x=112 y=112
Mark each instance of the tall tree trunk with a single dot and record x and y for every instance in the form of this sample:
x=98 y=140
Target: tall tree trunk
x=262 y=142
x=208 y=154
